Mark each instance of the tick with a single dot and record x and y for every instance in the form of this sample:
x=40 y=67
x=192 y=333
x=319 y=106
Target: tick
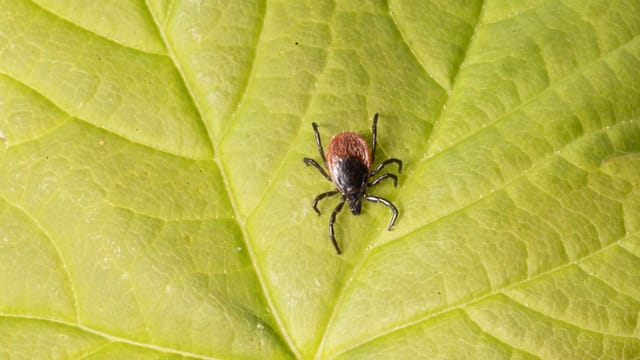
x=349 y=161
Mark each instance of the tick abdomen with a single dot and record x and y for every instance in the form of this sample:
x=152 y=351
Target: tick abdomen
x=348 y=144
x=349 y=162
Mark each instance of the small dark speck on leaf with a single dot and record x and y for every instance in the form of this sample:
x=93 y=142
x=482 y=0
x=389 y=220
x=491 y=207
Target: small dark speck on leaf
x=297 y=43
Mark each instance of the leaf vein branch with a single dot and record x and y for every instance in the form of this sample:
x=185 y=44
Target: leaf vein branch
x=94 y=125
x=607 y=283
x=501 y=290
x=245 y=85
x=95 y=350
x=523 y=174
x=564 y=322
x=577 y=71
x=456 y=77
x=175 y=61
x=109 y=337
x=494 y=338
x=418 y=60
x=281 y=166
x=168 y=220
x=59 y=254
x=76 y=25
x=282 y=330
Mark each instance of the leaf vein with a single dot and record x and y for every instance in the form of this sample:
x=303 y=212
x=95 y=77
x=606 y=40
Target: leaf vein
x=436 y=124
x=422 y=65
x=76 y=25
x=482 y=296
x=607 y=283
x=523 y=174
x=59 y=254
x=282 y=330
x=549 y=88
x=107 y=336
x=245 y=85
x=564 y=322
x=494 y=338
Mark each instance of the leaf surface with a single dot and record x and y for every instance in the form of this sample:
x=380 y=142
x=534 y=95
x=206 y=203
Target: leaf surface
x=154 y=202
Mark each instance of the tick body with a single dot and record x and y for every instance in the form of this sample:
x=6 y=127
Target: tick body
x=349 y=161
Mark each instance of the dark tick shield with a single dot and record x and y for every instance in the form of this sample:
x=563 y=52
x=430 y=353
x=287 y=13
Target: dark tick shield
x=349 y=161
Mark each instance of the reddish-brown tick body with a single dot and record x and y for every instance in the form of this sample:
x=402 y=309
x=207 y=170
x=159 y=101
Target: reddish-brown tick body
x=349 y=164
x=349 y=160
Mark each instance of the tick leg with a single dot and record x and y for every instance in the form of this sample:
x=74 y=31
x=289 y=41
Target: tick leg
x=331 y=222
x=374 y=135
x=382 y=177
x=318 y=142
x=320 y=197
x=387 y=203
x=317 y=166
x=385 y=163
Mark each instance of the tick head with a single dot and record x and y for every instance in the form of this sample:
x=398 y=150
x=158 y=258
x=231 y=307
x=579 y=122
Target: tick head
x=355 y=203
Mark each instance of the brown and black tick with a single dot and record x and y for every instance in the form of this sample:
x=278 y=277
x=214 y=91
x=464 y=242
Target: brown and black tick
x=349 y=161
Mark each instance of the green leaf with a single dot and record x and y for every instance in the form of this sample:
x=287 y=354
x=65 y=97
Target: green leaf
x=154 y=202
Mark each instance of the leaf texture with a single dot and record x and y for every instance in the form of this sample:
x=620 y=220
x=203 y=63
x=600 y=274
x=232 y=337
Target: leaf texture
x=154 y=202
